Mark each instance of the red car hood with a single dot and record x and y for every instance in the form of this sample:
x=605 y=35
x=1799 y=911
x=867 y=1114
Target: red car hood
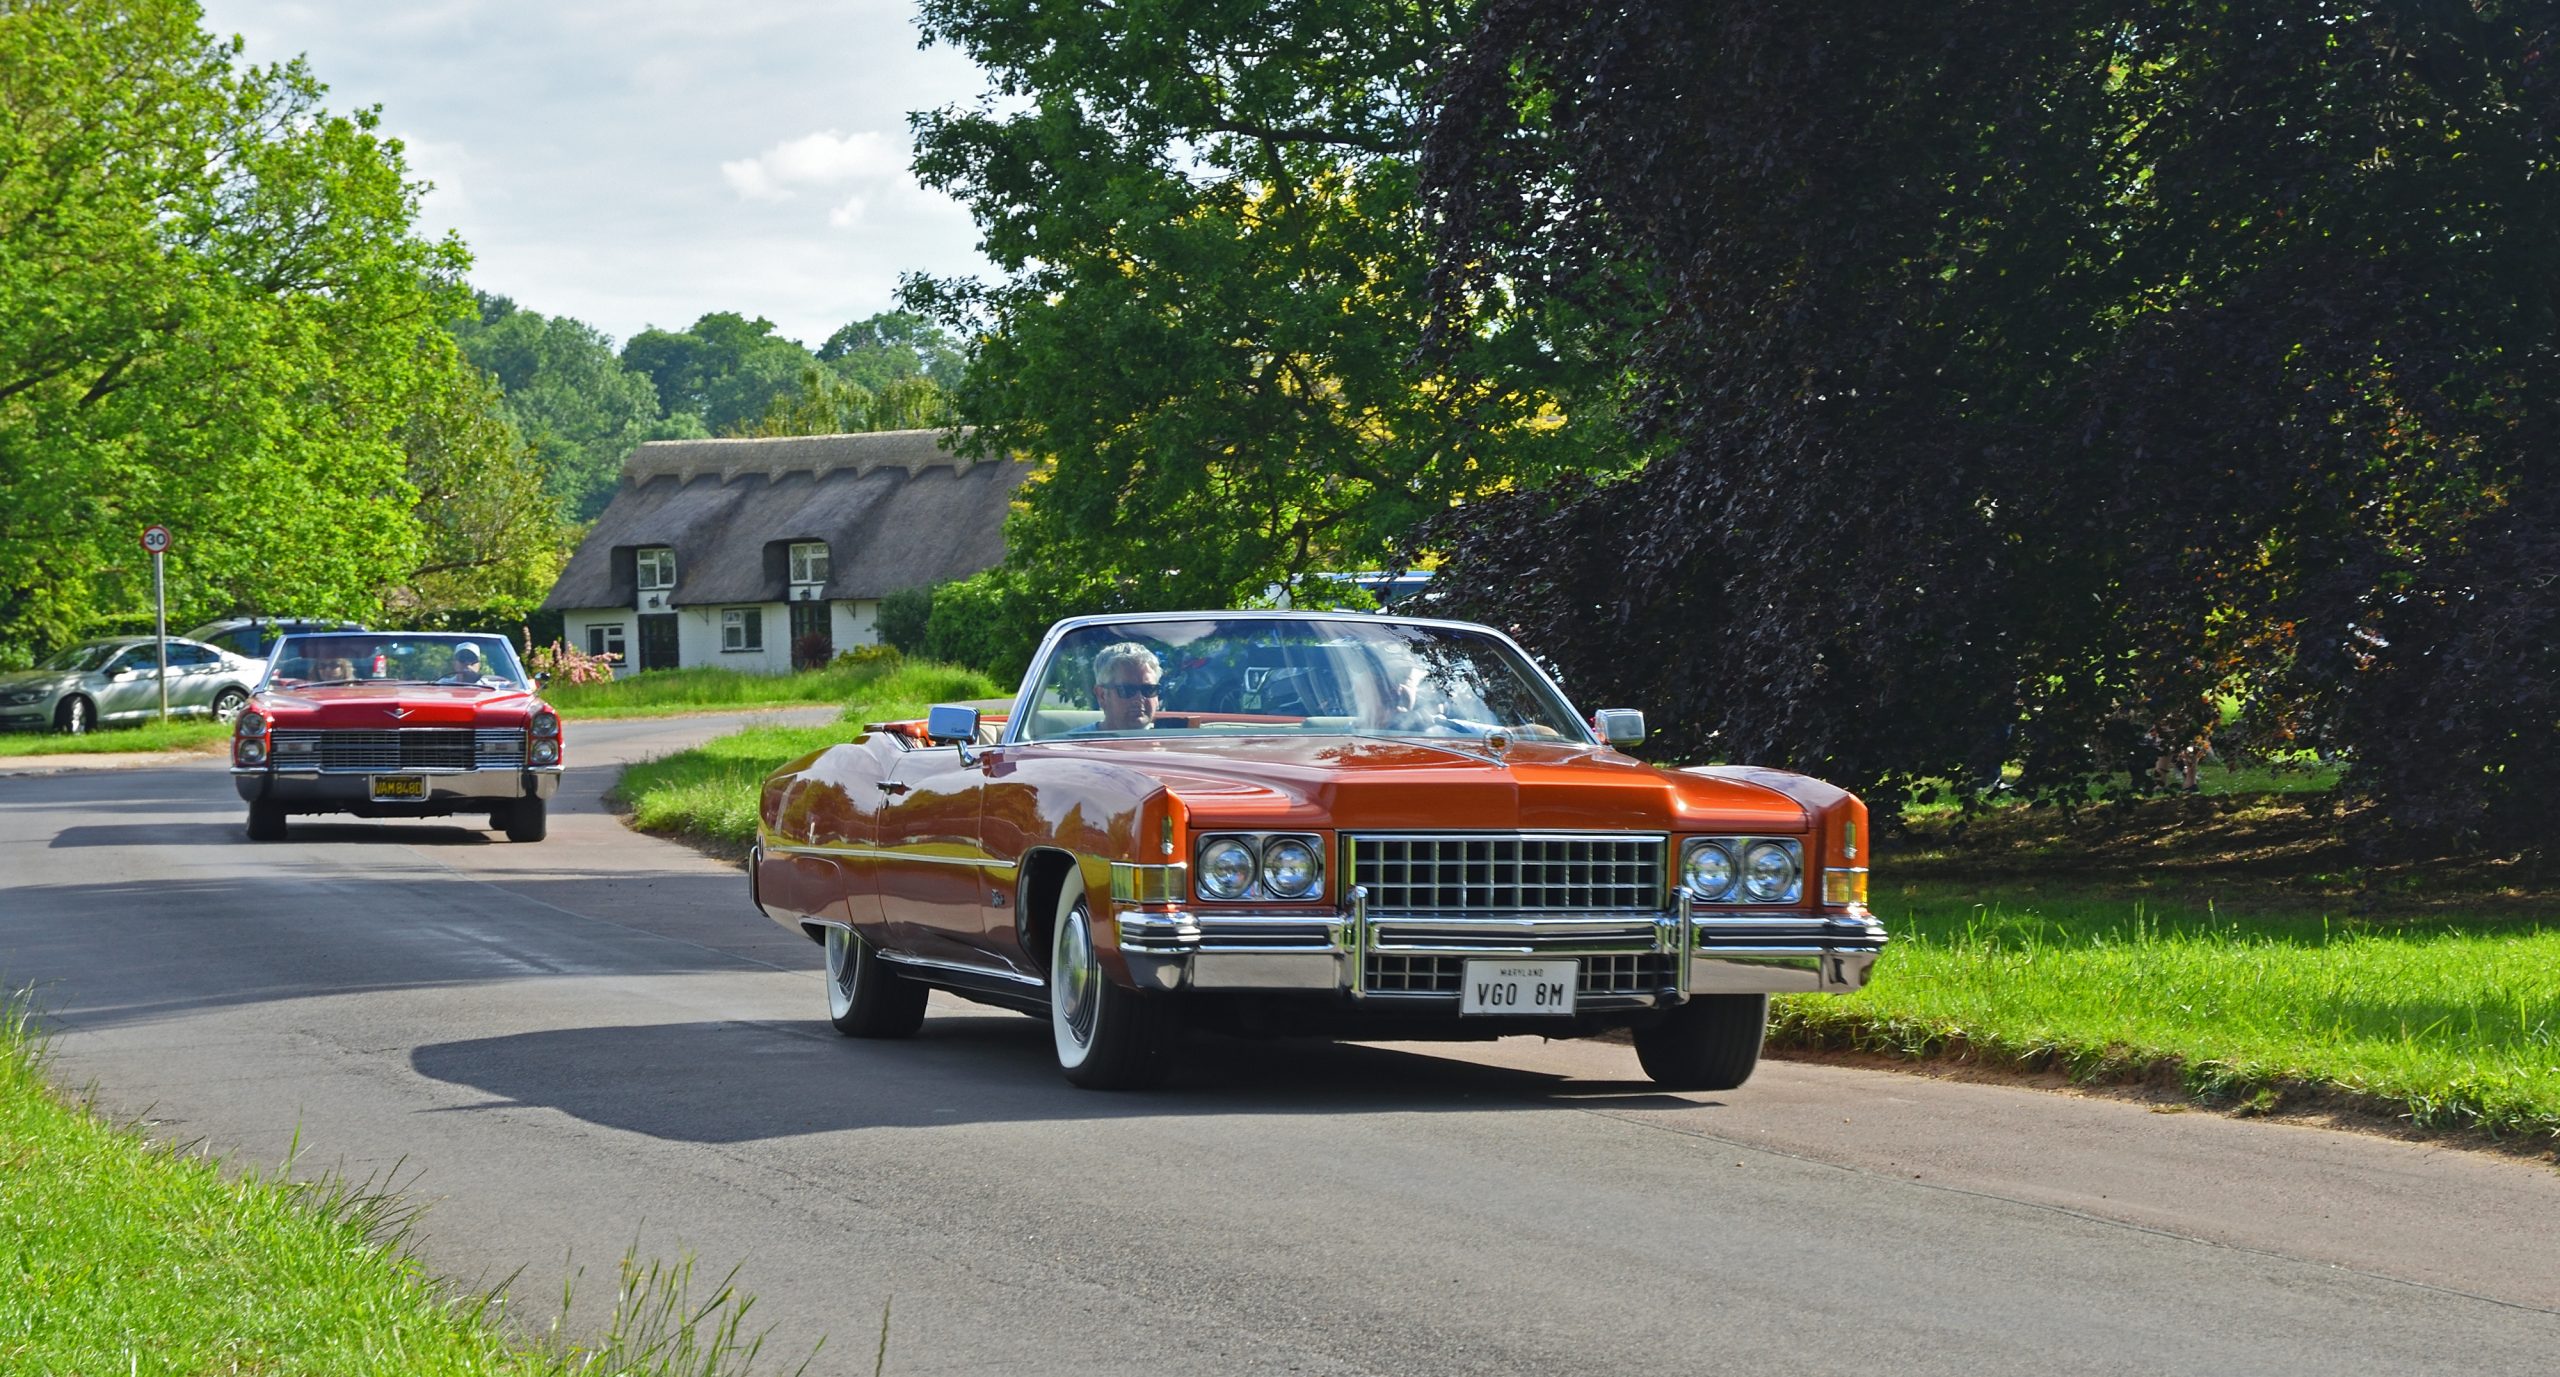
x=1369 y=783
x=385 y=706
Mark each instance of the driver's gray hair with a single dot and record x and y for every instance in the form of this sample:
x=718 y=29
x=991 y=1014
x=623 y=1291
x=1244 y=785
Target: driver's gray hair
x=1118 y=653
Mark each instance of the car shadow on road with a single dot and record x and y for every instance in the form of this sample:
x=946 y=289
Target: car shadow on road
x=743 y=1082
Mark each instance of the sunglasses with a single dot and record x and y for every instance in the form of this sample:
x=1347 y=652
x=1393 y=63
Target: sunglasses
x=1130 y=690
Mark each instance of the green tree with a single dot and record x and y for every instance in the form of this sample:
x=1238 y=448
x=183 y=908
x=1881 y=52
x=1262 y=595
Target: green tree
x=891 y=347
x=568 y=394
x=1215 y=289
x=2035 y=374
x=492 y=541
x=211 y=299
x=724 y=368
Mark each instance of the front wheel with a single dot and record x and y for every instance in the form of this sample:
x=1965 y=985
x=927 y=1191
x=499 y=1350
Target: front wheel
x=1710 y=1043
x=527 y=820
x=266 y=822
x=1108 y=1038
x=76 y=717
x=866 y=999
x=228 y=703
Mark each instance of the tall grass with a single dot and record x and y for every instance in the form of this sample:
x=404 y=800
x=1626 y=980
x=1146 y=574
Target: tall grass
x=135 y=1257
x=2450 y=1023
x=706 y=688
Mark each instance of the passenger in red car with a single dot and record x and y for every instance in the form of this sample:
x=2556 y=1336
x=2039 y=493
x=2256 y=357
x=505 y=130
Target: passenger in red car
x=465 y=668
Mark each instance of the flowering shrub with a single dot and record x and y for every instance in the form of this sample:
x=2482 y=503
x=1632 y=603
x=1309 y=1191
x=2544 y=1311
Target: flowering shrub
x=569 y=664
x=869 y=656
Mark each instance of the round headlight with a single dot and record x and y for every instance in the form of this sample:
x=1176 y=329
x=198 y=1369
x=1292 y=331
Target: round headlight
x=1769 y=872
x=1290 y=869
x=1708 y=872
x=546 y=752
x=546 y=723
x=250 y=723
x=1226 y=869
x=253 y=752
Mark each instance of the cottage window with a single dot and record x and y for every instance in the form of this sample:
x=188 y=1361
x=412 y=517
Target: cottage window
x=606 y=640
x=809 y=562
x=657 y=568
x=742 y=628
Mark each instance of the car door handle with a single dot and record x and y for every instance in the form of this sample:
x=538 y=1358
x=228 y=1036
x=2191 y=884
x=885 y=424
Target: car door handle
x=891 y=786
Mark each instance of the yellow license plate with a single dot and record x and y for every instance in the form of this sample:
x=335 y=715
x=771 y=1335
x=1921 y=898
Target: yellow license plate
x=398 y=787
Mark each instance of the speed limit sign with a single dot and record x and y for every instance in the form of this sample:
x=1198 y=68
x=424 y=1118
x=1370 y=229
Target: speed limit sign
x=156 y=539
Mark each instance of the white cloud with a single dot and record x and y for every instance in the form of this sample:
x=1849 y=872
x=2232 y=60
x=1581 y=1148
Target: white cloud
x=823 y=159
x=573 y=145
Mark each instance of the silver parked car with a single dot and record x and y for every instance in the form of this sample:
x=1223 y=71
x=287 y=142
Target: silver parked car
x=117 y=680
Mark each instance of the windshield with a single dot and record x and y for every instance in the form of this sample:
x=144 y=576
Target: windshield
x=1342 y=676
x=80 y=659
x=357 y=657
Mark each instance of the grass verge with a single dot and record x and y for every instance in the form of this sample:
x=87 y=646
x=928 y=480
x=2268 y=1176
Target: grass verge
x=155 y=736
x=671 y=691
x=2444 y=1023
x=137 y=1257
x=707 y=795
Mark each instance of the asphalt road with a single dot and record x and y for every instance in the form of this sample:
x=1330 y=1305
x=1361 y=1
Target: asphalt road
x=593 y=1043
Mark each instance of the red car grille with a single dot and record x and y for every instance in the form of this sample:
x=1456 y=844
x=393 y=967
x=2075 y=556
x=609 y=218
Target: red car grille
x=413 y=748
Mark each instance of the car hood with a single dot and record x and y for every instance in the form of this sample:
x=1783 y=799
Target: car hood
x=386 y=706
x=34 y=678
x=1368 y=783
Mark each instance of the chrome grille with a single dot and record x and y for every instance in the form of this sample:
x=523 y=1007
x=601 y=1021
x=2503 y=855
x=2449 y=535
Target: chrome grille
x=1413 y=974
x=413 y=748
x=1637 y=974
x=1508 y=872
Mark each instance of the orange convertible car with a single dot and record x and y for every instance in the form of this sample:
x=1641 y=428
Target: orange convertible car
x=1310 y=824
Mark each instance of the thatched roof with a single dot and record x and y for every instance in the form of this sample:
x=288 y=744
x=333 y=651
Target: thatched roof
x=895 y=509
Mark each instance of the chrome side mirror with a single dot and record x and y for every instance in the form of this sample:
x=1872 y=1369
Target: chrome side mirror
x=950 y=722
x=1619 y=726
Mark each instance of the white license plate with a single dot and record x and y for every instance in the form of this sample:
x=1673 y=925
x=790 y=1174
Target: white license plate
x=1502 y=985
x=398 y=788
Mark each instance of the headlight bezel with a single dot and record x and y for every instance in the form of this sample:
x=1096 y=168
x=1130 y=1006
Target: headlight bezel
x=1262 y=879
x=1247 y=868
x=1739 y=888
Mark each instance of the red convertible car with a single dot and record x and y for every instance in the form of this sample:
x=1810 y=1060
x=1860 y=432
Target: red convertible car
x=397 y=724
x=1310 y=824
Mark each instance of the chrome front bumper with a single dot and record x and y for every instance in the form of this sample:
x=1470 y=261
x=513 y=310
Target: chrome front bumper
x=335 y=788
x=1644 y=959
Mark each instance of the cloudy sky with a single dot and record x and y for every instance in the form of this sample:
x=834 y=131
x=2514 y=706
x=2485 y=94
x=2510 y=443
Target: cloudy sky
x=641 y=162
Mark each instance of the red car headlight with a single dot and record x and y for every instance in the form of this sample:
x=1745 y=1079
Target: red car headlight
x=546 y=750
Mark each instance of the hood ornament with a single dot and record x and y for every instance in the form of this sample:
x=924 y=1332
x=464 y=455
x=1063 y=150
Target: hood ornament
x=1497 y=744
x=397 y=713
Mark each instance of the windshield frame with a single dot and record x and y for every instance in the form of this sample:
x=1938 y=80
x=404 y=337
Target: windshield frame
x=500 y=669
x=1533 y=674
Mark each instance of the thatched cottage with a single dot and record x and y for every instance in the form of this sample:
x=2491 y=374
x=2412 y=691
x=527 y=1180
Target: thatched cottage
x=734 y=552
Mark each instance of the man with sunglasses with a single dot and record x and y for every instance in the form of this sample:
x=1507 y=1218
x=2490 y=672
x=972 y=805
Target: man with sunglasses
x=1126 y=679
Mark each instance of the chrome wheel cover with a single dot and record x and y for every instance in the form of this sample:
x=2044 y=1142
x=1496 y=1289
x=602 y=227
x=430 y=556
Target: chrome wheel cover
x=844 y=964
x=1074 y=996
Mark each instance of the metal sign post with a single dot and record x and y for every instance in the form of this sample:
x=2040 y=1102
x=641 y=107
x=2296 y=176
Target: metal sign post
x=155 y=538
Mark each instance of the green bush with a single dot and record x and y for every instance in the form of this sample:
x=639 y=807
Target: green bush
x=903 y=618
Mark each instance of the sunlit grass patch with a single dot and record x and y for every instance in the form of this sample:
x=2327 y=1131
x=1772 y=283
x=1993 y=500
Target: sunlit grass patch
x=176 y=735
x=706 y=689
x=2451 y=1022
x=709 y=792
x=135 y=1257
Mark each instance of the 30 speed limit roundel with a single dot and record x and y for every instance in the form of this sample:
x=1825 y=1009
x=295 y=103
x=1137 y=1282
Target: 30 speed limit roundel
x=155 y=539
